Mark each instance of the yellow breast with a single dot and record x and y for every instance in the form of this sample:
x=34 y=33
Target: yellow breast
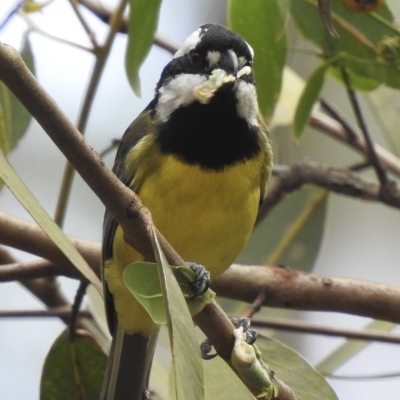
x=206 y=216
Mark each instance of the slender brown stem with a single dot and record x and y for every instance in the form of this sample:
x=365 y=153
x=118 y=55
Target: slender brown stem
x=80 y=293
x=54 y=312
x=306 y=327
x=380 y=172
x=101 y=59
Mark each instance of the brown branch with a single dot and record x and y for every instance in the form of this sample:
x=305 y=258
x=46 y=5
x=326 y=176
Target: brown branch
x=47 y=291
x=59 y=312
x=342 y=181
x=104 y=13
x=31 y=270
x=291 y=289
x=29 y=237
x=278 y=287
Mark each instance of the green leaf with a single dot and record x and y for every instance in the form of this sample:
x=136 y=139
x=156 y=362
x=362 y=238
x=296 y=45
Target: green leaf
x=14 y=118
x=73 y=370
x=384 y=103
x=369 y=43
x=143 y=20
x=281 y=233
x=262 y=25
x=306 y=382
x=150 y=296
x=357 y=82
x=222 y=383
x=308 y=98
x=39 y=214
x=186 y=358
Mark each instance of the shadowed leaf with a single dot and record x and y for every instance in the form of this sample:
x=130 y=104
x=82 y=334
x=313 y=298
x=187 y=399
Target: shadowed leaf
x=306 y=382
x=73 y=370
x=262 y=25
x=143 y=19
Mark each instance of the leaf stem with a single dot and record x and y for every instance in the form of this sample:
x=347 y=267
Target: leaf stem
x=101 y=58
x=380 y=172
x=84 y=24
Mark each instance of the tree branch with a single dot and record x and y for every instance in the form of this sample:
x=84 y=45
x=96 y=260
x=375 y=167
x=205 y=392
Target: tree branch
x=342 y=181
x=29 y=237
x=104 y=13
x=306 y=327
x=275 y=286
x=296 y=290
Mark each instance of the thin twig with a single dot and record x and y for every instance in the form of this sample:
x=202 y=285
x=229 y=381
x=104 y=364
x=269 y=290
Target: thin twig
x=80 y=293
x=335 y=114
x=101 y=59
x=342 y=181
x=59 y=312
x=380 y=172
x=85 y=25
x=329 y=126
x=306 y=327
x=104 y=14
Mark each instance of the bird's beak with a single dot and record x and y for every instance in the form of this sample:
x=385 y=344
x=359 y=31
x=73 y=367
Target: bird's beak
x=229 y=63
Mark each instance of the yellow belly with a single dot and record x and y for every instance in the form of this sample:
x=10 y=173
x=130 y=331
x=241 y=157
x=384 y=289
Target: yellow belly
x=206 y=216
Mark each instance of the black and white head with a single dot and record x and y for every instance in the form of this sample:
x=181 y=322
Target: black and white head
x=201 y=132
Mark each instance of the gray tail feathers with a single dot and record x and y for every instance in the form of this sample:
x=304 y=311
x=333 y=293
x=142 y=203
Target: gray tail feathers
x=128 y=368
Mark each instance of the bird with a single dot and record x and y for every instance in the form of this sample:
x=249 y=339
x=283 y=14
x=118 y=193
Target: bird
x=199 y=158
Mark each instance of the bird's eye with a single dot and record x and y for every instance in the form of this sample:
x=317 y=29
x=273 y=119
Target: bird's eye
x=196 y=59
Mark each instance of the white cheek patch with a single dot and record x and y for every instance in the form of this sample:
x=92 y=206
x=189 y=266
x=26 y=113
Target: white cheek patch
x=213 y=58
x=246 y=70
x=247 y=106
x=178 y=92
x=189 y=44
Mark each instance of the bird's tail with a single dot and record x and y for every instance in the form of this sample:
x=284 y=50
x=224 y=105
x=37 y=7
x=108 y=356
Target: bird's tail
x=128 y=368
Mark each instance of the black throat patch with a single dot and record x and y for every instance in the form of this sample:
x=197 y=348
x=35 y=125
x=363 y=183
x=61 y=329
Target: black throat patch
x=210 y=135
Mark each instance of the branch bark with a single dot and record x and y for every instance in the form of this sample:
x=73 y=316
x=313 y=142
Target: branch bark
x=342 y=181
x=276 y=286
x=297 y=290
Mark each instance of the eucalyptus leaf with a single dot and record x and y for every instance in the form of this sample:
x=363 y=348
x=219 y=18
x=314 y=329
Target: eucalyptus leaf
x=14 y=118
x=143 y=20
x=384 y=103
x=150 y=296
x=369 y=43
x=262 y=25
x=73 y=370
x=308 y=98
x=39 y=214
x=186 y=358
x=222 y=383
x=306 y=382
